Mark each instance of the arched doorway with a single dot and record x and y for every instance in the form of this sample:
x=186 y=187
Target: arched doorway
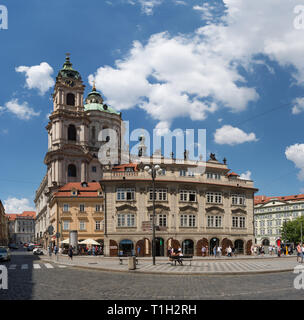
x=159 y=247
x=265 y=242
x=173 y=243
x=248 y=247
x=201 y=243
x=188 y=247
x=225 y=244
x=126 y=247
x=113 y=248
x=239 y=246
x=213 y=242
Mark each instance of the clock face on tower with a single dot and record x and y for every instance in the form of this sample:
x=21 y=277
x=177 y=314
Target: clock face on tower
x=69 y=83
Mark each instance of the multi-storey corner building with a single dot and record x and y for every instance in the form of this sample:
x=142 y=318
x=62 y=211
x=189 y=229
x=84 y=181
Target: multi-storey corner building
x=192 y=210
x=4 y=237
x=215 y=208
x=78 y=206
x=270 y=213
x=22 y=227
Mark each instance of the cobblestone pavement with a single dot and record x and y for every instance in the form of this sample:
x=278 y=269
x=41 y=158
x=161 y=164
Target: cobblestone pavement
x=73 y=283
x=198 y=265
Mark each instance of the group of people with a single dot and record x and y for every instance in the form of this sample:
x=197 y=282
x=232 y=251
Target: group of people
x=300 y=252
x=175 y=253
x=94 y=250
x=272 y=250
x=217 y=251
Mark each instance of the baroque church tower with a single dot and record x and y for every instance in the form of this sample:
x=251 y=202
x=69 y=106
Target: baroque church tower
x=73 y=130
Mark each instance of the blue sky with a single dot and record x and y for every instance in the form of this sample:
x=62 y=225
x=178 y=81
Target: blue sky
x=235 y=68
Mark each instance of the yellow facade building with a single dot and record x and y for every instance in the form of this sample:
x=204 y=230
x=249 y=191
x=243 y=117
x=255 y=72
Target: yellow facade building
x=77 y=207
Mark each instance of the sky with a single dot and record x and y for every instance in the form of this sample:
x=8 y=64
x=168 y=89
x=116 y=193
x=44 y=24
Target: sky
x=232 y=67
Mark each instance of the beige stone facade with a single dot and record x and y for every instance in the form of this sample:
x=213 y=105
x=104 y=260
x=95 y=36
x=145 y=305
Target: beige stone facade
x=220 y=209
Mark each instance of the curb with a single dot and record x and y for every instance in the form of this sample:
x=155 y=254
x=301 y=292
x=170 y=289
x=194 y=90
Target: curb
x=238 y=273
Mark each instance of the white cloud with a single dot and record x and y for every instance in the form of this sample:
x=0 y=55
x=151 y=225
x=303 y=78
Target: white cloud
x=21 y=110
x=14 y=205
x=38 y=77
x=147 y=6
x=194 y=74
x=298 y=105
x=246 y=175
x=232 y=136
x=295 y=153
x=180 y=2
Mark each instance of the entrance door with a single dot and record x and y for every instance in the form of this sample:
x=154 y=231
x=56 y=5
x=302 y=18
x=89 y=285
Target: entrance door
x=239 y=246
x=188 y=247
x=126 y=247
x=213 y=242
x=159 y=247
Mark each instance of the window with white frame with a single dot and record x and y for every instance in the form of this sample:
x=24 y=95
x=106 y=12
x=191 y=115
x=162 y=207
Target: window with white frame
x=66 y=225
x=187 y=195
x=81 y=207
x=238 y=199
x=82 y=225
x=98 y=208
x=182 y=173
x=160 y=219
x=214 y=197
x=238 y=222
x=125 y=194
x=126 y=220
x=214 y=221
x=97 y=225
x=187 y=220
x=65 y=207
x=212 y=175
x=159 y=195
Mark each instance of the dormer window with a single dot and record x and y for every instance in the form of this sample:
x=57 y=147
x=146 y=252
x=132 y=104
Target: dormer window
x=74 y=192
x=84 y=184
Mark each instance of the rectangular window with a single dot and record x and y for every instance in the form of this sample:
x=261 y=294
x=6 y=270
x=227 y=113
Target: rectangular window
x=65 y=208
x=162 y=220
x=214 y=197
x=160 y=194
x=126 y=220
x=242 y=222
x=97 y=208
x=188 y=195
x=125 y=194
x=214 y=221
x=183 y=220
x=211 y=175
x=183 y=173
x=66 y=225
x=94 y=169
x=187 y=220
x=81 y=207
x=238 y=199
x=235 y=222
x=82 y=225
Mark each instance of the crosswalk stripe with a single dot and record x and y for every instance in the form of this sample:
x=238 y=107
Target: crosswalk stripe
x=49 y=266
x=24 y=266
x=12 y=266
x=36 y=266
x=62 y=266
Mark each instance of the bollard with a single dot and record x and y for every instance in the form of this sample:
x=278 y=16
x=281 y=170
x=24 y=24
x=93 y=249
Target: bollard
x=132 y=263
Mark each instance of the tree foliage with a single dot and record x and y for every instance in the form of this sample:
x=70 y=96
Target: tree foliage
x=291 y=230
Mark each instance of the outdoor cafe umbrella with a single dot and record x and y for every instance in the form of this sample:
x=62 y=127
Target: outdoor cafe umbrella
x=90 y=241
x=66 y=241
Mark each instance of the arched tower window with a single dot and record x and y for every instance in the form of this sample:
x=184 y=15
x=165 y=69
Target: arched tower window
x=72 y=172
x=70 y=99
x=71 y=132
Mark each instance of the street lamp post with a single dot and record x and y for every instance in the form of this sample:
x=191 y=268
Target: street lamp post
x=153 y=171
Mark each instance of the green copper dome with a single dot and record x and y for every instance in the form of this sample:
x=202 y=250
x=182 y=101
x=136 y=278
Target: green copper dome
x=94 y=101
x=67 y=71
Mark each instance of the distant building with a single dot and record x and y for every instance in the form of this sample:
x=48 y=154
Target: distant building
x=22 y=227
x=270 y=213
x=77 y=206
x=3 y=226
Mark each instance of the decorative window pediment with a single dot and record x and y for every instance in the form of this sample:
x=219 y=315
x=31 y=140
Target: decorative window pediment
x=214 y=210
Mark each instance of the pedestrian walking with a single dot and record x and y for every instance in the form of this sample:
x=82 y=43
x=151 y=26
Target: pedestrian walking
x=138 y=251
x=93 y=251
x=214 y=251
x=203 y=251
x=219 y=251
x=299 y=252
x=70 y=252
x=50 y=250
x=229 y=251
x=55 y=250
x=302 y=256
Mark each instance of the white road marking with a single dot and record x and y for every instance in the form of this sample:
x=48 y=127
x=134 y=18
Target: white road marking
x=61 y=266
x=24 y=266
x=36 y=266
x=49 y=266
x=12 y=266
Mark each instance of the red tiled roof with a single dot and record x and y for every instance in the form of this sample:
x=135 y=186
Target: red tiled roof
x=13 y=216
x=265 y=199
x=233 y=174
x=123 y=167
x=85 y=192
